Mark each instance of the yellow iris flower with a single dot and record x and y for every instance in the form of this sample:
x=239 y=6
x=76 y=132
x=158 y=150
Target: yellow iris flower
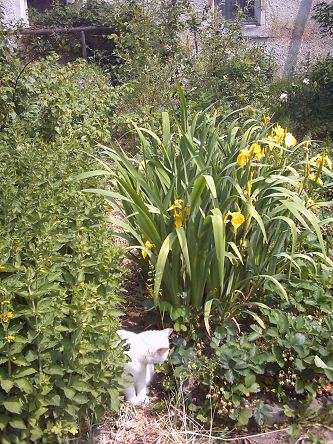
x=237 y=219
x=177 y=205
x=257 y=152
x=9 y=338
x=322 y=160
x=267 y=120
x=179 y=219
x=314 y=178
x=272 y=140
x=148 y=246
x=178 y=213
x=279 y=132
x=244 y=156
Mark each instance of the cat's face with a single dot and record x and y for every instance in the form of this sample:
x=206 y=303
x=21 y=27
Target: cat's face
x=157 y=345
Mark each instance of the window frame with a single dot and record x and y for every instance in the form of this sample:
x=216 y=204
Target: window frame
x=259 y=13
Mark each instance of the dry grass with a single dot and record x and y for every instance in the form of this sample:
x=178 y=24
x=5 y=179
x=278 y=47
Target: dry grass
x=142 y=425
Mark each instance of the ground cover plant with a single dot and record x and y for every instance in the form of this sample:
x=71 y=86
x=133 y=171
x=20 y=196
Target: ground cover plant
x=227 y=221
x=60 y=274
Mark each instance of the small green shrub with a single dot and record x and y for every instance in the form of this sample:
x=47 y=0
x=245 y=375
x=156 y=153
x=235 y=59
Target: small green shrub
x=227 y=68
x=307 y=105
x=208 y=55
x=156 y=43
x=53 y=101
x=60 y=274
x=59 y=288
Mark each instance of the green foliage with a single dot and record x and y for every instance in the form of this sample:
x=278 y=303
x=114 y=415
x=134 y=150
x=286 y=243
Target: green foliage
x=49 y=101
x=324 y=16
x=88 y=13
x=60 y=275
x=227 y=68
x=244 y=368
x=155 y=43
x=161 y=44
x=308 y=109
x=218 y=207
x=59 y=363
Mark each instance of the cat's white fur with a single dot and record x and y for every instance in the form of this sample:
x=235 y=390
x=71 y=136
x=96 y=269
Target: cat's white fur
x=146 y=349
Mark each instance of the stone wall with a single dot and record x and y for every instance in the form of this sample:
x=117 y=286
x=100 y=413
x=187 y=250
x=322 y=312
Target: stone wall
x=287 y=28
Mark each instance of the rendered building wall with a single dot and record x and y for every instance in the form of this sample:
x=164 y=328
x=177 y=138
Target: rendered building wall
x=287 y=28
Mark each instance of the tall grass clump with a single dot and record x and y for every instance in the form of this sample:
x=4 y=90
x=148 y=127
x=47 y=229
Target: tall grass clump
x=218 y=208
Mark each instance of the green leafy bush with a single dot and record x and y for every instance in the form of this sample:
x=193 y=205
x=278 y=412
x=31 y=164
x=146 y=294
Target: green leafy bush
x=217 y=207
x=228 y=68
x=59 y=288
x=167 y=41
x=155 y=43
x=60 y=274
x=90 y=13
x=53 y=101
x=306 y=107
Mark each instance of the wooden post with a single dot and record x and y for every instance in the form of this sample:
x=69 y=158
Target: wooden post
x=84 y=45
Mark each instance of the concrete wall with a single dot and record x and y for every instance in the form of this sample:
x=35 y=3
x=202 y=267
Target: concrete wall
x=287 y=28
x=14 y=11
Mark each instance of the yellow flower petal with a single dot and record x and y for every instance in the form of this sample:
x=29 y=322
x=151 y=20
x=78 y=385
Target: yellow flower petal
x=272 y=141
x=237 y=219
x=323 y=160
x=178 y=204
x=148 y=246
x=178 y=219
x=267 y=120
x=244 y=156
x=314 y=178
x=257 y=151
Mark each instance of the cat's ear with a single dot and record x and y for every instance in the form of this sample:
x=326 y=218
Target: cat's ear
x=162 y=350
x=168 y=331
x=124 y=334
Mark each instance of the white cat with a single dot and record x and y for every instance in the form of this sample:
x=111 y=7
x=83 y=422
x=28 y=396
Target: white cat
x=146 y=349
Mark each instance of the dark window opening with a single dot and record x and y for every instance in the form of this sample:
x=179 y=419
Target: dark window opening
x=231 y=8
x=41 y=5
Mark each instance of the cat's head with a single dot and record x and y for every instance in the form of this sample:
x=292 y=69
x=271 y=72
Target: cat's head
x=158 y=345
